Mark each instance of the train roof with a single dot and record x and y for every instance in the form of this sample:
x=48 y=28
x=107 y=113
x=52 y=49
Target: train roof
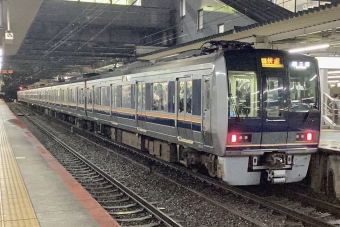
x=189 y=58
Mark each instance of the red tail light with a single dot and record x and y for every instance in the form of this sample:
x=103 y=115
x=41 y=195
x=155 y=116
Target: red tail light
x=305 y=137
x=233 y=138
x=309 y=136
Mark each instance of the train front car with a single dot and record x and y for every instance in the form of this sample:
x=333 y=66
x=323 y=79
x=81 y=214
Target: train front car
x=274 y=116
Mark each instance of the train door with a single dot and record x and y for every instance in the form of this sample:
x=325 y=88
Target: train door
x=140 y=105
x=206 y=116
x=184 y=110
x=275 y=106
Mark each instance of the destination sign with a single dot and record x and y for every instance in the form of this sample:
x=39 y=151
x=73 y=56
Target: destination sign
x=270 y=62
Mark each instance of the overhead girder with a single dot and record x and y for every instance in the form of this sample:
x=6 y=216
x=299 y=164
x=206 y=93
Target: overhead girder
x=98 y=14
x=69 y=35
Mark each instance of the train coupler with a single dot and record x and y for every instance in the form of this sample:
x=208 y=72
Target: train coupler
x=276 y=176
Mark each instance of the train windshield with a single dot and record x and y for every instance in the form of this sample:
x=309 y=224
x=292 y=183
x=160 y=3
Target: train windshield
x=243 y=96
x=303 y=85
x=244 y=92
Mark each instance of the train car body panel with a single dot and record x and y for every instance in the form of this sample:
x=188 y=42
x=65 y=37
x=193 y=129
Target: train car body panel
x=246 y=115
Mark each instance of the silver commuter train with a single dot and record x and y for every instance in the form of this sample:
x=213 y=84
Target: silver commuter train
x=246 y=115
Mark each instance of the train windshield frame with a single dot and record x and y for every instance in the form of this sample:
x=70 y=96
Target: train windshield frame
x=303 y=84
x=273 y=82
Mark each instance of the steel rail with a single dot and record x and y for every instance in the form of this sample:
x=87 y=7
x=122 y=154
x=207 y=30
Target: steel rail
x=158 y=214
x=295 y=215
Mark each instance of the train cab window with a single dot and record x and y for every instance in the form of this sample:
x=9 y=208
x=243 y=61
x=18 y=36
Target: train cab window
x=160 y=96
x=303 y=85
x=126 y=96
x=275 y=96
x=105 y=96
x=243 y=94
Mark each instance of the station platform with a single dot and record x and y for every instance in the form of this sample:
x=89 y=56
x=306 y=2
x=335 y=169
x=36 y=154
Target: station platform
x=330 y=140
x=35 y=190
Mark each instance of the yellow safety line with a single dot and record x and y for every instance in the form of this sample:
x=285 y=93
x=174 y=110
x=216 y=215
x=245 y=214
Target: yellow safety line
x=16 y=207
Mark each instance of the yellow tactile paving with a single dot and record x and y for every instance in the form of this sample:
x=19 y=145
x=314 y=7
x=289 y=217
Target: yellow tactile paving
x=16 y=209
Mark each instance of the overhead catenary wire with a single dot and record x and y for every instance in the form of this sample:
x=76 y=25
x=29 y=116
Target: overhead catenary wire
x=106 y=26
x=76 y=30
x=71 y=23
x=194 y=27
x=94 y=16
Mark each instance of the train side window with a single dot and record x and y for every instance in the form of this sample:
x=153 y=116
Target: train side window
x=113 y=98
x=126 y=96
x=141 y=96
x=97 y=94
x=148 y=96
x=89 y=96
x=65 y=95
x=196 y=97
x=171 y=97
x=61 y=95
x=71 y=96
x=181 y=96
x=56 y=93
x=105 y=96
x=119 y=96
x=133 y=104
x=160 y=96
x=189 y=97
x=80 y=96
x=207 y=95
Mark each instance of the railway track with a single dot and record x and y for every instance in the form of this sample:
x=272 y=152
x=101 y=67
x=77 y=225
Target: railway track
x=127 y=208
x=315 y=214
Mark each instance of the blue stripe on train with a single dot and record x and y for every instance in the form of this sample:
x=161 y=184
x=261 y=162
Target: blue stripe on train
x=189 y=125
x=161 y=121
x=128 y=116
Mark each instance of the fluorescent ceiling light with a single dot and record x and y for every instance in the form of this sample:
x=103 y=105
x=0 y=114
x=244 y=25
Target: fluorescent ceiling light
x=308 y=48
x=333 y=81
x=333 y=77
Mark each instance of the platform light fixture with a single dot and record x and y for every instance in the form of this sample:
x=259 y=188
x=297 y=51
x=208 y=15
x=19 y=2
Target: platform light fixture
x=333 y=81
x=333 y=72
x=298 y=50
